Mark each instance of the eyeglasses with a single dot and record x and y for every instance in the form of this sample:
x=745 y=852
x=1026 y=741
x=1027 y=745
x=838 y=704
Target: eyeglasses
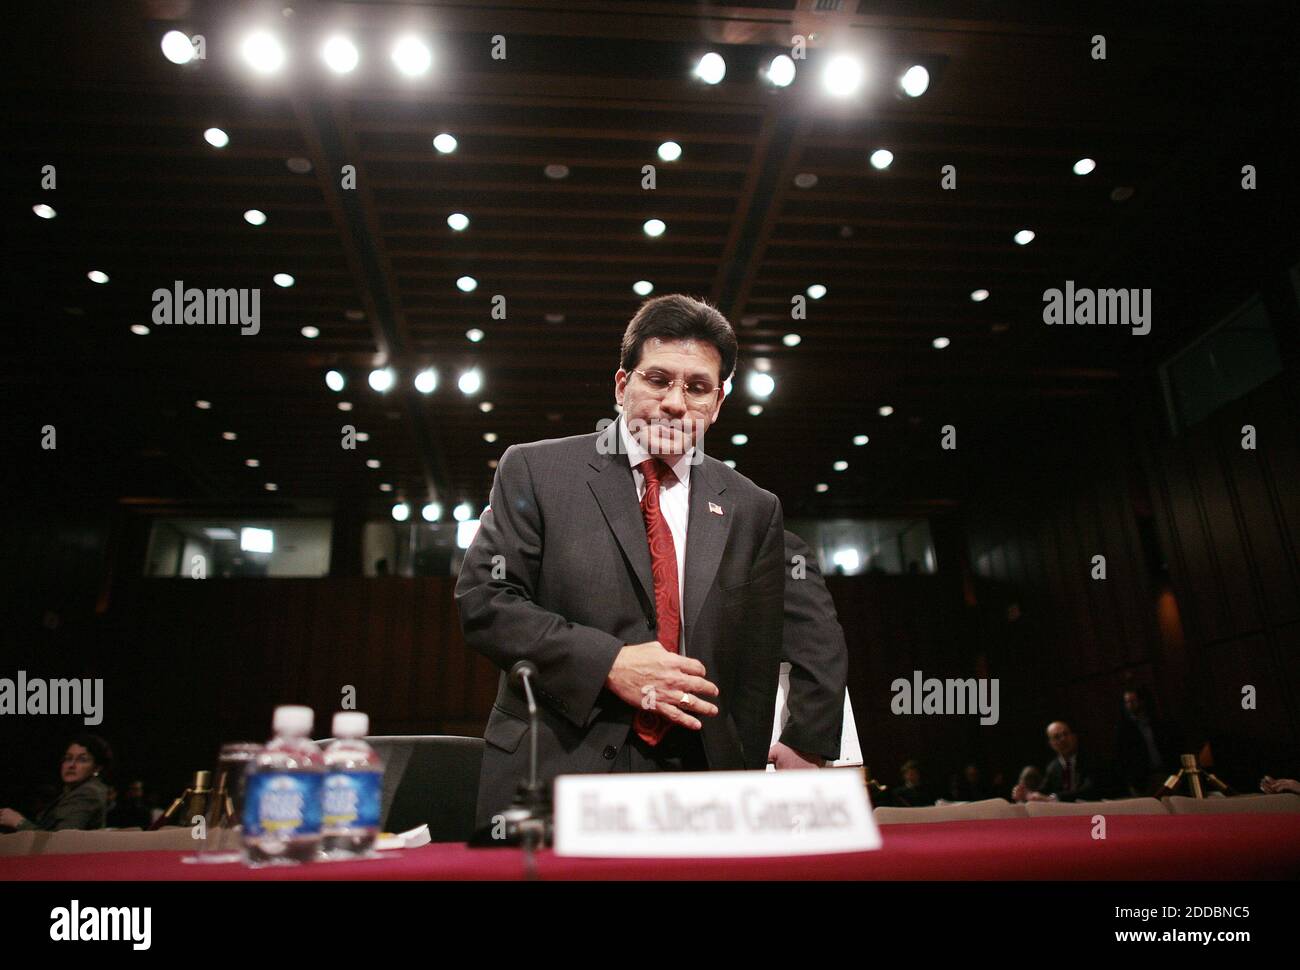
x=81 y=759
x=698 y=392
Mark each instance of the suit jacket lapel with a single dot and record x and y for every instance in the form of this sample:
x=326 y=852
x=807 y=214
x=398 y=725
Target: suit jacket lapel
x=706 y=540
x=615 y=492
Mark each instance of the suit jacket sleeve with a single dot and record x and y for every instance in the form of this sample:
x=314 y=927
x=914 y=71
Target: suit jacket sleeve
x=81 y=808
x=496 y=597
x=813 y=644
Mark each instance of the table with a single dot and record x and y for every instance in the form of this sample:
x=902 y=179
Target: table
x=1143 y=847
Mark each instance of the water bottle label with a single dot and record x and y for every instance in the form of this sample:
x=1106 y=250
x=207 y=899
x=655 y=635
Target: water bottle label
x=282 y=804
x=351 y=799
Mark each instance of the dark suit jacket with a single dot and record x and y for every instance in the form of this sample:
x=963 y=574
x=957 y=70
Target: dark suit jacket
x=1087 y=783
x=813 y=645
x=82 y=807
x=559 y=574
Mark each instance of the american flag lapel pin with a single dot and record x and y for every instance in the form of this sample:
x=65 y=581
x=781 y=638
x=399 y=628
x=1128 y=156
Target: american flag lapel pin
x=715 y=508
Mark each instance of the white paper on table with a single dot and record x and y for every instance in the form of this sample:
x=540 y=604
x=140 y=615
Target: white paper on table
x=850 y=746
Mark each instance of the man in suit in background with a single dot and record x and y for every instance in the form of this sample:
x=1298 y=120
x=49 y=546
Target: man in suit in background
x=642 y=578
x=813 y=644
x=1070 y=777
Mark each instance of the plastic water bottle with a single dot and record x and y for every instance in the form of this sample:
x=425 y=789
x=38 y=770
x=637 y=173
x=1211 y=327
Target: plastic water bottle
x=354 y=781
x=283 y=793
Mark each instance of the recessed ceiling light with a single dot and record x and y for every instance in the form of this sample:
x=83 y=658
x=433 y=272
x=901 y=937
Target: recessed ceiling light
x=271 y=487
x=177 y=47
x=760 y=384
x=840 y=466
x=489 y=436
x=711 y=68
x=335 y=381
x=354 y=315
x=492 y=463
x=654 y=227
x=470 y=382
x=860 y=439
x=485 y=406
x=643 y=287
x=1121 y=193
x=363 y=435
x=381 y=379
x=467 y=284
x=401 y=512
x=822 y=487
x=979 y=296
x=139 y=329
x=97 y=276
x=755 y=409
x=1085 y=166
x=426 y=382
x=372 y=462
x=817 y=291
x=805 y=180
x=203 y=405
x=44 y=211
x=216 y=138
x=229 y=435
x=462 y=512
x=842 y=75
x=1000 y=327
x=939 y=343
x=915 y=81
x=385 y=487
x=310 y=332
x=298 y=165
x=474 y=335
x=780 y=72
x=411 y=56
x=255 y=217
x=882 y=158
x=339 y=54
x=283 y=279
x=263 y=52
x=670 y=151
x=739 y=439
x=730 y=462
x=445 y=143
x=251 y=462
x=792 y=340
x=1024 y=237
x=431 y=512
x=345 y=405
x=556 y=171
x=885 y=410
x=555 y=318
x=458 y=221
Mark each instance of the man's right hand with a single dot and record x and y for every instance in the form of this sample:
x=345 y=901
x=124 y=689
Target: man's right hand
x=648 y=677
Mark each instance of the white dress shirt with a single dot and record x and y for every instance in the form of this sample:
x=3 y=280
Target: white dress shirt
x=674 y=503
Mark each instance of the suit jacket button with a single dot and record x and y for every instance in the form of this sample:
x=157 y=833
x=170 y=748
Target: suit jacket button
x=609 y=752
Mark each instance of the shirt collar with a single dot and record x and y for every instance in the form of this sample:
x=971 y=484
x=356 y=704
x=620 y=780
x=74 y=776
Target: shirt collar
x=680 y=464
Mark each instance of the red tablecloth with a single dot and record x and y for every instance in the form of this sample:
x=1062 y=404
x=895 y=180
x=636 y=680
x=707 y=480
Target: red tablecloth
x=1136 y=847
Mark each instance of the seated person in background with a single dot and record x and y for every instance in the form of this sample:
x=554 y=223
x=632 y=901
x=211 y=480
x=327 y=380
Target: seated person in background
x=1146 y=747
x=1031 y=779
x=912 y=793
x=1278 y=786
x=84 y=800
x=969 y=785
x=131 y=811
x=1069 y=777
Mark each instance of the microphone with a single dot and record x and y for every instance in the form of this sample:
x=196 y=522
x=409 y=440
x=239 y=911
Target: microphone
x=521 y=675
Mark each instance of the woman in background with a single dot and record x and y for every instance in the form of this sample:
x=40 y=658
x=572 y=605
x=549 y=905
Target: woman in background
x=84 y=801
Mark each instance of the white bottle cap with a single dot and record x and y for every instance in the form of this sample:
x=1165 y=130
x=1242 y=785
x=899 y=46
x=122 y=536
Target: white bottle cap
x=351 y=724
x=292 y=721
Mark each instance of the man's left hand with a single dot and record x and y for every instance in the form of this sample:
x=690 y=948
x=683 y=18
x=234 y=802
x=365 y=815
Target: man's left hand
x=786 y=758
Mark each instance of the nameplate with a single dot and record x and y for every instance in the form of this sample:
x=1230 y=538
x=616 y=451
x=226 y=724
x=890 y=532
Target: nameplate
x=713 y=813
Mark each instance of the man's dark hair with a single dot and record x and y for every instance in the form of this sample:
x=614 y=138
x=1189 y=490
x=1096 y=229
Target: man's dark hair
x=98 y=748
x=679 y=317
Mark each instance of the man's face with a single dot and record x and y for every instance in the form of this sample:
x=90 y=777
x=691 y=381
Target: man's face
x=911 y=778
x=78 y=765
x=1061 y=738
x=670 y=422
x=1132 y=703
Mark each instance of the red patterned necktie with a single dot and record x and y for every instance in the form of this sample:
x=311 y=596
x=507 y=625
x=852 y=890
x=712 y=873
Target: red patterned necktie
x=649 y=724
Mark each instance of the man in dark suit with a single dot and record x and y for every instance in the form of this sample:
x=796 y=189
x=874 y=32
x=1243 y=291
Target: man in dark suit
x=813 y=644
x=642 y=578
x=1070 y=777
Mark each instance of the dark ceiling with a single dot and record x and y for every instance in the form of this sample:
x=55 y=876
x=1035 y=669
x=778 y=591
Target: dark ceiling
x=1185 y=97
